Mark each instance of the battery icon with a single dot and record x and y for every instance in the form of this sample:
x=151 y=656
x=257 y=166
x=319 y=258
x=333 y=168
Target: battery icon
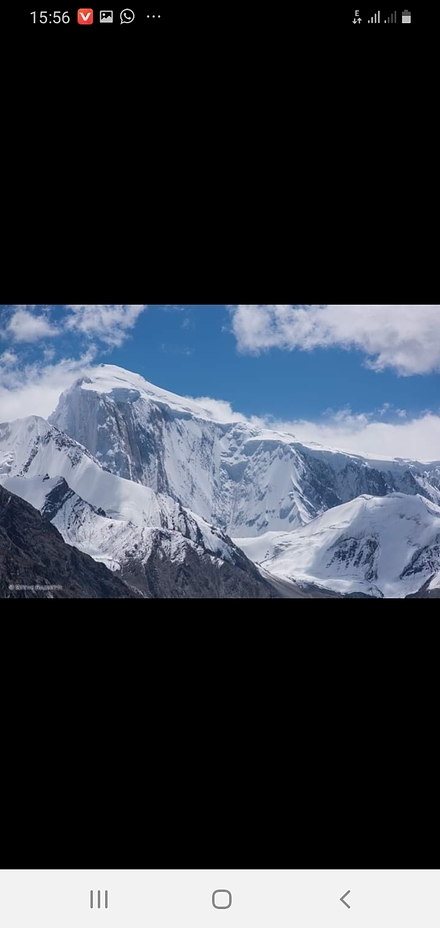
x=406 y=16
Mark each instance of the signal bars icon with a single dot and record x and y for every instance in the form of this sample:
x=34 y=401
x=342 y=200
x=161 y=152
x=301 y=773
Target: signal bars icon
x=99 y=899
x=406 y=17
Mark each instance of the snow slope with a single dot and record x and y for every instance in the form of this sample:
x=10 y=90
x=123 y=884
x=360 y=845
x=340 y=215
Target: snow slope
x=387 y=546
x=245 y=479
x=104 y=515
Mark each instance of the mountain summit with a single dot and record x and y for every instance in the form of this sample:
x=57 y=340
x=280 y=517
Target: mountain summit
x=245 y=479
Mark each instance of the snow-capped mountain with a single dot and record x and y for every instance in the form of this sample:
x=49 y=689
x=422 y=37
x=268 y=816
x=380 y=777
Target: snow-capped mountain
x=34 y=448
x=35 y=562
x=380 y=546
x=155 y=487
x=242 y=478
x=114 y=520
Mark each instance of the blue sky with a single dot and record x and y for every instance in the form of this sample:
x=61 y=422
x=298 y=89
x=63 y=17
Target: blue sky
x=193 y=351
x=342 y=375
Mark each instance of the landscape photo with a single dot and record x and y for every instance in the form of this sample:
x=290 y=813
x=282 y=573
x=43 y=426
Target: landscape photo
x=219 y=451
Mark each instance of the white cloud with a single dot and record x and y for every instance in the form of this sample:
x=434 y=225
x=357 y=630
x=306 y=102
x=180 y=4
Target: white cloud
x=403 y=337
x=360 y=433
x=222 y=411
x=417 y=438
x=8 y=358
x=28 y=326
x=384 y=409
x=36 y=388
x=109 y=323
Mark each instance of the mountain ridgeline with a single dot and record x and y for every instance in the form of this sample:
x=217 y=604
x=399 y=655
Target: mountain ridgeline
x=179 y=504
x=244 y=479
x=35 y=562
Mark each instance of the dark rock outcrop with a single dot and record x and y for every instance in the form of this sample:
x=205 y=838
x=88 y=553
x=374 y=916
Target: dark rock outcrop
x=35 y=562
x=196 y=576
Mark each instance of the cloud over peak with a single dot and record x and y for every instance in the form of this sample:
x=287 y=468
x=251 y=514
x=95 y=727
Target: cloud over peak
x=405 y=338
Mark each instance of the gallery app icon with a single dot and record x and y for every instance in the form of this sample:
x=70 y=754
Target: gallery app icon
x=85 y=17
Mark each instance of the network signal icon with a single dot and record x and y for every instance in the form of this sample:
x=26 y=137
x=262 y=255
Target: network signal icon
x=375 y=18
x=392 y=18
x=406 y=16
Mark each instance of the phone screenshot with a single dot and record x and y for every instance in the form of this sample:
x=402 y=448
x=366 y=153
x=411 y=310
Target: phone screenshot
x=195 y=445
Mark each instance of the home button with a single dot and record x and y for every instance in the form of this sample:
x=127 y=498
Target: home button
x=222 y=899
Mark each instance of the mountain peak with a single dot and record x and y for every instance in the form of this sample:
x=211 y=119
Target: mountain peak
x=380 y=546
x=120 y=385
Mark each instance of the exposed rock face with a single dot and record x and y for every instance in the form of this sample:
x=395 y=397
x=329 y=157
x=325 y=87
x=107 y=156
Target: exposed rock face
x=425 y=592
x=196 y=576
x=187 y=559
x=33 y=554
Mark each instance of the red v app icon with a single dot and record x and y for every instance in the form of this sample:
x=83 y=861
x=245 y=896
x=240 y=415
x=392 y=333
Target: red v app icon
x=85 y=17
